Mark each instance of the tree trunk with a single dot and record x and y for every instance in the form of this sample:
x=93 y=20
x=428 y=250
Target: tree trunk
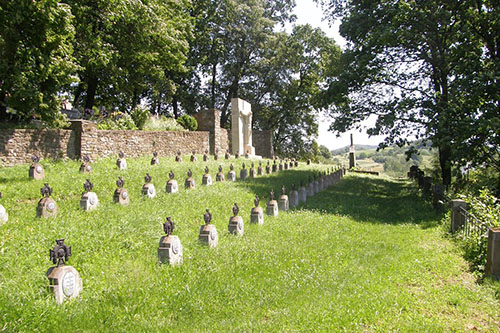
x=445 y=163
x=214 y=76
x=3 y=108
x=175 y=107
x=78 y=93
x=91 y=90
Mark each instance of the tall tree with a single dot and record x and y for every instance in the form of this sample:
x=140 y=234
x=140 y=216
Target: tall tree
x=35 y=57
x=401 y=65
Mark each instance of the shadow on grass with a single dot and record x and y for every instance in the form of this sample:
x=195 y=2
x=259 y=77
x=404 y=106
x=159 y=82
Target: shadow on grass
x=361 y=197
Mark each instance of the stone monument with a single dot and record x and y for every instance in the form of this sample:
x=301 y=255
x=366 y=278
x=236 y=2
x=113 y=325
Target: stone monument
x=121 y=162
x=227 y=155
x=64 y=281
x=85 y=167
x=4 y=217
x=206 y=157
x=236 y=226
x=302 y=192
x=260 y=170
x=257 y=214
x=47 y=207
x=283 y=203
x=155 y=160
x=216 y=154
x=36 y=169
x=275 y=166
x=208 y=232
x=206 y=179
x=231 y=175
x=243 y=172
x=89 y=200
x=171 y=186
x=241 y=127
x=352 y=157
x=294 y=197
x=220 y=176
x=272 y=205
x=310 y=187
x=170 y=248
x=193 y=157
x=268 y=167
x=253 y=172
x=121 y=195
x=148 y=189
x=316 y=183
x=178 y=157
x=189 y=183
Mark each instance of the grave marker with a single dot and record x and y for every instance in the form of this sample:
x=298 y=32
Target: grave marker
x=208 y=232
x=148 y=189
x=121 y=195
x=236 y=226
x=64 y=281
x=283 y=204
x=121 y=162
x=171 y=186
x=189 y=183
x=294 y=197
x=170 y=247
x=193 y=157
x=155 y=160
x=268 y=167
x=178 y=157
x=85 y=167
x=89 y=200
x=253 y=172
x=220 y=176
x=302 y=192
x=257 y=214
x=231 y=175
x=4 y=217
x=243 y=172
x=206 y=157
x=227 y=155
x=260 y=171
x=46 y=206
x=206 y=179
x=36 y=169
x=272 y=205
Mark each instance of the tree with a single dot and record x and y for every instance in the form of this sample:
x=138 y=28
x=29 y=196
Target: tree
x=403 y=65
x=35 y=57
x=325 y=152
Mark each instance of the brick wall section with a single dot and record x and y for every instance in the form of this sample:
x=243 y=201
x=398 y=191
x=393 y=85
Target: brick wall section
x=17 y=146
x=102 y=143
x=209 y=120
x=263 y=143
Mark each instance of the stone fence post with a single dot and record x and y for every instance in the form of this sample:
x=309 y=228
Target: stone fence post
x=493 y=254
x=457 y=217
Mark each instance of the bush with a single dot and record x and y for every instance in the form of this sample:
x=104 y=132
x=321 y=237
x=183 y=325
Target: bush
x=162 y=124
x=188 y=122
x=140 y=116
x=117 y=121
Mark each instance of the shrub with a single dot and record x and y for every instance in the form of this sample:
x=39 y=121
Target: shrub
x=117 y=121
x=162 y=123
x=140 y=116
x=188 y=122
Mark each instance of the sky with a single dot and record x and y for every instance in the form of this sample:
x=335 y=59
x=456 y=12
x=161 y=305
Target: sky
x=308 y=12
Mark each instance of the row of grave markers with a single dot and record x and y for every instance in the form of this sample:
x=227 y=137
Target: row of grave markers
x=66 y=283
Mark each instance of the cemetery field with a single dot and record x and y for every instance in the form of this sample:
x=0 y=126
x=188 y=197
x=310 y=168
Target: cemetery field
x=366 y=254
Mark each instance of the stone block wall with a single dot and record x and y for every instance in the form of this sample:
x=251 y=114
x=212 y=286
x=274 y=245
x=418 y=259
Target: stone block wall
x=19 y=145
x=263 y=143
x=209 y=120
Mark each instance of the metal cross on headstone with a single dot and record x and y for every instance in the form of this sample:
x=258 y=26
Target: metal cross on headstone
x=168 y=226
x=46 y=190
x=148 y=178
x=207 y=217
x=60 y=253
x=236 y=209
x=120 y=182
x=88 y=186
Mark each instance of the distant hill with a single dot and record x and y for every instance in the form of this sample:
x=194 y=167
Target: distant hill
x=345 y=149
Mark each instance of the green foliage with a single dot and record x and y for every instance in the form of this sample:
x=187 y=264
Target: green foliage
x=362 y=255
x=140 y=116
x=325 y=152
x=117 y=121
x=188 y=122
x=162 y=123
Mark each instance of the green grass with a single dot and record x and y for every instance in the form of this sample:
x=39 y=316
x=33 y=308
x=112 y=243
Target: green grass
x=364 y=255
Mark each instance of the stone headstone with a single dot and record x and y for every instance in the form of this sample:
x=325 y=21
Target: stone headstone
x=243 y=172
x=189 y=183
x=253 y=172
x=285 y=165
x=171 y=186
x=148 y=189
x=268 y=168
x=85 y=167
x=308 y=161
x=208 y=232
x=310 y=188
x=316 y=185
x=294 y=197
x=193 y=157
x=231 y=175
x=257 y=214
x=46 y=206
x=302 y=193
x=89 y=200
x=272 y=206
x=4 y=217
x=36 y=169
x=275 y=166
x=236 y=226
x=170 y=247
x=283 y=203
x=492 y=268
x=178 y=157
x=227 y=155
x=121 y=195
x=121 y=162
x=206 y=157
x=280 y=166
x=206 y=179
x=216 y=154
x=155 y=160
x=64 y=281
x=260 y=170
x=220 y=175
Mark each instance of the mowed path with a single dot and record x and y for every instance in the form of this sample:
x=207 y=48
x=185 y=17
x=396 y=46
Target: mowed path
x=366 y=254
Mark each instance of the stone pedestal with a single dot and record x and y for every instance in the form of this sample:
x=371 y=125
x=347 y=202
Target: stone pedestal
x=268 y=169
x=272 y=208
x=274 y=168
x=89 y=201
x=426 y=186
x=241 y=127
x=178 y=158
x=121 y=163
x=283 y=203
x=316 y=186
x=46 y=208
x=231 y=176
x=121 y=196
x=253 y=173
x=85 y=168
x=352 y=160
x=302 y=194
x=257 y=215
x=206 y=180
x=236 y=226
x=244 y=174
x=172 y=186
x=4 y=217
x=208 y=235
x=321 y=184
x=457 y=217
x=148 y=190
x=36 y=171
x=64 y=282
x=493 y=254
x=310 y=189
x=294 y=198
x=170 y=250
x=189 y=183
x=220 y=177
x=260 y=171
x=155 y=161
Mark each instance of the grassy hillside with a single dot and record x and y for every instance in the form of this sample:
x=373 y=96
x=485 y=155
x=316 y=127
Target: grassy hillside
x=365 y=254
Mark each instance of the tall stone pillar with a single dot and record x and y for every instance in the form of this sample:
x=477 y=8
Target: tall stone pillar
x=352 y=157
x=241 y=127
